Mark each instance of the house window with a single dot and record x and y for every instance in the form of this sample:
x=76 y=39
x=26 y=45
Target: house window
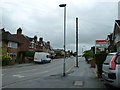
x=32 y=45
x=12 y=45
x=12 y=54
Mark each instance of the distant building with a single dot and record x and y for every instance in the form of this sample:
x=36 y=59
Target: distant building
x=10 y=42
x=59 y=52
x=44 y=46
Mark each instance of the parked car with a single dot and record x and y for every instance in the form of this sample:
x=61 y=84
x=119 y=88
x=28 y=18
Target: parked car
x=111 y=69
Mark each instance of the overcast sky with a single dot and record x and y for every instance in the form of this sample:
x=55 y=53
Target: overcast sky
x=44 y=18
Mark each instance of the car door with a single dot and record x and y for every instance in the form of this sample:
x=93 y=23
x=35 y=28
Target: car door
x=118 y=69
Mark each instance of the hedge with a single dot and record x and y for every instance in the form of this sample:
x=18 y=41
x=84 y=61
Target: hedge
x=99 y=59
x=25 y=54
x=6 y=60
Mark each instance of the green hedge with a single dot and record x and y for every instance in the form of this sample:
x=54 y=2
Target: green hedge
x=6 y=60
x=28 y=54
x=99 y=59
x=89 y=55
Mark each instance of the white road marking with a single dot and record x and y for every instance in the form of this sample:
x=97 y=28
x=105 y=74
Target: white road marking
x=28 y=70
x=44 y=72
x=19 y=76
x=39 y=73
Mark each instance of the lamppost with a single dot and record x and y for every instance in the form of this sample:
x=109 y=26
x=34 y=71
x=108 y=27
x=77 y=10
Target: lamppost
x=64 y=5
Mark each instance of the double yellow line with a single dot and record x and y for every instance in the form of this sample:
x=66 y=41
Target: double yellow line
x=67 y=71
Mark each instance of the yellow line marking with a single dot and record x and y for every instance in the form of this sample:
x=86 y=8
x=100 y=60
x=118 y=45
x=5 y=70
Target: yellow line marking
x=69 y=69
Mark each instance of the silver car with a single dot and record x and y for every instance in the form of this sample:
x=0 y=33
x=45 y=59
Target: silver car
x=111 y=69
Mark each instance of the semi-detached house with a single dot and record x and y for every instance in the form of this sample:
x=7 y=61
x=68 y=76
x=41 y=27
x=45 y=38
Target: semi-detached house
x=10 y=42
x=27 y=43
x=20 y=42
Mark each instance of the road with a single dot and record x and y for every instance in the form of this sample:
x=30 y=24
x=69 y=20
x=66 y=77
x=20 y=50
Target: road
x=18 y=74
x=49 y=75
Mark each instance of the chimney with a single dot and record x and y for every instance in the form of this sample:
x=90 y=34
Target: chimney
x=40 y=39
x=3 y=30
x=19 y=31
x=35 y=39
x=48 y=42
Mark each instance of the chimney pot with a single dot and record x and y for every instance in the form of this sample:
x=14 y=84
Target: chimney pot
x=19 y=31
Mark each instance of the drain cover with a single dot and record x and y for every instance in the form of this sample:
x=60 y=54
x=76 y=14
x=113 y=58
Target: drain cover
x=78 y=83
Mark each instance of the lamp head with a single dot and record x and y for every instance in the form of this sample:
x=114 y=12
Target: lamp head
x=62 y=5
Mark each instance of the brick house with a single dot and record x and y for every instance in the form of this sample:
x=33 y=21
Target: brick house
x=44 y=46
x=11 y=43
x=28 y=43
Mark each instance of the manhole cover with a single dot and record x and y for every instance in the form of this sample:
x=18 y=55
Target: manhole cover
x=78 y=83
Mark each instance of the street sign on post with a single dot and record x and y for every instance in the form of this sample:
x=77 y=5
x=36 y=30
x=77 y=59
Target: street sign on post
x=101 y=44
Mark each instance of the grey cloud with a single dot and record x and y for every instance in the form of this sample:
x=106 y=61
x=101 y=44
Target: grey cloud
x=94 y=23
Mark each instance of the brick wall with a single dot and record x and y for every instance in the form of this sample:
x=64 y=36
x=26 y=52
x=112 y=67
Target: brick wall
x=24 y=42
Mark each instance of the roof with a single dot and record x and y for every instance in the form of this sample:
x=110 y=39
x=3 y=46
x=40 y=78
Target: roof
x=118 y=23
x=30 y=39
x=7 y=36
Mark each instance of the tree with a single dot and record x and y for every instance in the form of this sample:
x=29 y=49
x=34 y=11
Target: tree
x=88 y=54
x=4 y=50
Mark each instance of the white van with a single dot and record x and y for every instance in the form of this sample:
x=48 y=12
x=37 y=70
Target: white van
x=42 y=57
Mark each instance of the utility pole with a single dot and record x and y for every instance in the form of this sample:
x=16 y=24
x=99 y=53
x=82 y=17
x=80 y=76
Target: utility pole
x=76 y=41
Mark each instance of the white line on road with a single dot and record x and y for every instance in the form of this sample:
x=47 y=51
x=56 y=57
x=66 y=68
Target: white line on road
x=19 y=76
x=39 y=73
x=28 y=70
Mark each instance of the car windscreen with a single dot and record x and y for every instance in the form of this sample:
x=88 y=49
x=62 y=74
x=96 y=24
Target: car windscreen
x=108 y=58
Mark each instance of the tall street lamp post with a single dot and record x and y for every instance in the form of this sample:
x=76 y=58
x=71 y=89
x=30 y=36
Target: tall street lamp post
x=64 y=5
x=77 y=42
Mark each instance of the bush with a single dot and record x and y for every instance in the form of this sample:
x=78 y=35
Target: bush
x=29 y=55
x=99 y=59
x=6 y=60
x=89 y=55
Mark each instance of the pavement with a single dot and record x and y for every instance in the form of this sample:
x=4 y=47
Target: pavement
x=77 y=77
